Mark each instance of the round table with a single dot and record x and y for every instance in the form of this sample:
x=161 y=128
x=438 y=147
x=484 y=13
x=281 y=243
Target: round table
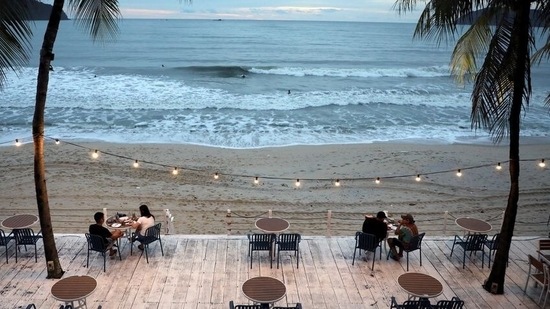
x=264 y=290
x=420 y=285
x=272 y=225
x=20 y=221
x=474 y=225
x=74 y=289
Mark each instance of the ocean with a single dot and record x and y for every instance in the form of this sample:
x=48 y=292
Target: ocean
x=250 y=84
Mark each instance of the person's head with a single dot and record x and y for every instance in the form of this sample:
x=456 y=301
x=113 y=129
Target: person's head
x=99 y=217
x=408 y=217
x=381 y=216
x=144 y=211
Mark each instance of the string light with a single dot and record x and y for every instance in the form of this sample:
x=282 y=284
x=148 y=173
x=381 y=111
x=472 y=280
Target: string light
x=418 y=177
x=297 y=182
x=459 y=173
x=57 y=141
x=175 y=171
x=256 y=180
x=136 y=164
x=95 y=154
x=499 y=167
x=337 y=183
x=17 y=142
x=216 y=175
x=542 y=164
x=377 y=181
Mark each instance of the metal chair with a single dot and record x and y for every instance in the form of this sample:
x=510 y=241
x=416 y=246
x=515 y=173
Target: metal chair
x=24 y=237
x=261 y=242
x=367 y=242
x=288 y=242
x=454 y=303
x=471 y=243
x=152 y=234
x=492 y=245
x=31 y=306
x=96 y=243
x=233 y=306
x=422 y=303
x=414 y=244
x=4 y=241
x=298 y=306
x=538 y=271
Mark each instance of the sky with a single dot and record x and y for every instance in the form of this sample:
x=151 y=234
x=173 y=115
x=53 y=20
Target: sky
x=322 y=10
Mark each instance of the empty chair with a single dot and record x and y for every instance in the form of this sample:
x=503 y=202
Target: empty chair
x=538 y=271
x=4 y=241
x=544 y=248
x=471 y=243
x=152 y=234
x=233 y=306
x=24 y=237
x=261 y=242
x=298 y=306
x=492 y=245
x=288 y=242
x=31 y=306
x=422 y=303
x=367 y=242
x=96 y=243
x=414 y=244
x=454 y=303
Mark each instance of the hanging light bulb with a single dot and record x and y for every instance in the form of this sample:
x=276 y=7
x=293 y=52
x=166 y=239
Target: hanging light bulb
x=57 y=141
x=337 y=183
x=95 y=154
x=256 y=180
x=17 y=142
x=541 y=163
x=377 y=181
x=498 y=167
x=175 y=171
x=459 y=173
x=418 y=177
x=216 y=175
x=136 y=164
x=297 y=182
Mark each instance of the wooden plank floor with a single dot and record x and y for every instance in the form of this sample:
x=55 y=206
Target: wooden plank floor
x=207 y=272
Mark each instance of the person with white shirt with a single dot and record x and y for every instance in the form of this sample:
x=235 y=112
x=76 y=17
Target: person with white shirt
x=145 y=221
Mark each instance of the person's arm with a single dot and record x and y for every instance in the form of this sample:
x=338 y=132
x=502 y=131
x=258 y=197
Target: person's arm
x=137 y=224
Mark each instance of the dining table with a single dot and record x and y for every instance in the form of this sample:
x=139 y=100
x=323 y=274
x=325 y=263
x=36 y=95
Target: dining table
x=20 y=221
x=473 y=225
x=420 y=285
x=264 y=290
x=74 y=289
x=123 y=223
x=272 y=226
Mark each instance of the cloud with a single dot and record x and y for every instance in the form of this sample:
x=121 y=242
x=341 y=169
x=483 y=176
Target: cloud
x=146 y=13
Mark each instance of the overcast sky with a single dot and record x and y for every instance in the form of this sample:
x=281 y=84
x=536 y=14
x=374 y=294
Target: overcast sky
x=326 y=10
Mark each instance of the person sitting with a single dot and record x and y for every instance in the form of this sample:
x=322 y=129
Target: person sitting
x=405 y=231
x=145 y=221
x=109 y=238
x=376 y=225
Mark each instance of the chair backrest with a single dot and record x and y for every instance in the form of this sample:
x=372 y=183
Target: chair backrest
x=153 y=232
x=494 y=241
x=415 y=304
x=298 y=306
x=95 y=242
x=450 y=304
x=538 y=265
x=416 y=242
x=3 y=239
x=475 y=242
x=233 y=306
x=288 y=241
x=25 y=236
x=366 y=241
x=261 y=241
x=544 y=244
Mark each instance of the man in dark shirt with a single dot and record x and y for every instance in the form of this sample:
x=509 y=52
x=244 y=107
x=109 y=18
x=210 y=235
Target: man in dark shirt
x=109 y=237
x=376 y=225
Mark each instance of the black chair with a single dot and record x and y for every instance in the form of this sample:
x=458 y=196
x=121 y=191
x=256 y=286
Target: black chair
x=492 y=245
x=152 y=234
x=233 y=306
x=288 y=242
x=454 y=303
x=96 y=243
x=414 y=244
x=422 y=303
x=471 y=243
x=24 y=237
x=261 y=242
x=298 y=306
x=367 y=242
x=31 y=306
x=4 y=241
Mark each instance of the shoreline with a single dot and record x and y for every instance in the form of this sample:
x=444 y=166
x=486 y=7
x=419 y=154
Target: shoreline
x=79 y=185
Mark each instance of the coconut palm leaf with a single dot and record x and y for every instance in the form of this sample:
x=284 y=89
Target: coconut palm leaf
x=99 y=17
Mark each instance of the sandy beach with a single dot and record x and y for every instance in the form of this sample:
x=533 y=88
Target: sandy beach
x=79 y=185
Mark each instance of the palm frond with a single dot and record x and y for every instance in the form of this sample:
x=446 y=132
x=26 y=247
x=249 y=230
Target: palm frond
x=15 y=34
x=473 y=44
x=99 y=17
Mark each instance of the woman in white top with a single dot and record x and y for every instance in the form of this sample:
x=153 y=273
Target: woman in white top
x=145 y=221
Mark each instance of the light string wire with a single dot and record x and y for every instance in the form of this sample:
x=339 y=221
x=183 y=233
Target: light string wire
x=217 y=173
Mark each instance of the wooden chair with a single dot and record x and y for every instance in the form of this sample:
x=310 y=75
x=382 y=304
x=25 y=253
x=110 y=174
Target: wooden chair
x=544 y=249
x=24 y=237
x=471 y=243
x=261 y=242
x=96 y=243
x=4 y=241
x=538 y=271
x=288 y=242
x=367 y=242
x=152 y=234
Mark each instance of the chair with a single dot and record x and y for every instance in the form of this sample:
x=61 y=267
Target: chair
x=414 y=244
x=471 y=243
x=538 y=271
x=288 y=242
x=367 y=242
x=422 y=303
x=31 y=306
x=454 y=303
x=544 y=245
x=152 y=234
x=261 y=242
x=492 y=245
x=96 y=243
x=298 y=306
x=233 y=306
x=24 y=237
x=4 y=241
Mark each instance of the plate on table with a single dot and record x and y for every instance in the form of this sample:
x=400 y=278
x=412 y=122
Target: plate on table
x=116 y=225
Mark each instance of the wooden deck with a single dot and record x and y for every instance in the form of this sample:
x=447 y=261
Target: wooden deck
x=207 y=272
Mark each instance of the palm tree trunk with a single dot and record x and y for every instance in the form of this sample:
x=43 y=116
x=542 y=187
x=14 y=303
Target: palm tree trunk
x=46 y=56
x=520 y=44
